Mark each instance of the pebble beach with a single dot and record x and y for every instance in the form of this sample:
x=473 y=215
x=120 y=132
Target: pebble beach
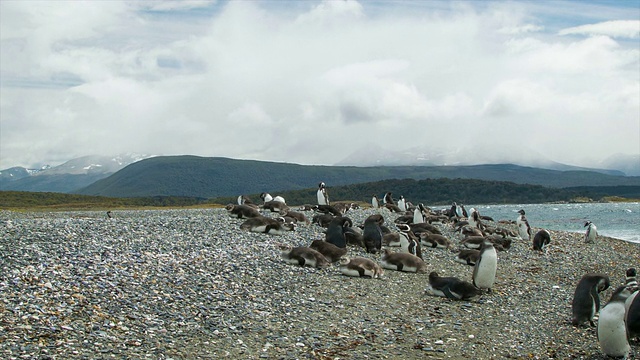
x=186 y=284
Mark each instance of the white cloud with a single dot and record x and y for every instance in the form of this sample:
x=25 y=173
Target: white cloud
x=309 y=84
x=615 y=28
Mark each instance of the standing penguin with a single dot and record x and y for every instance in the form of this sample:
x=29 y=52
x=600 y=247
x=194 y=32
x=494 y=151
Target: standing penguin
x=419 y=214
x=402 y=203
x=484 y=272
x=335 y=231
x=409 y=242
x=632 y=315
x=375 y=203
x=591 y=233
x=388 y=198
x=586 y=301
x=323 y=196
x=523 y=226
x=541 y=240
x=372 y=234
x=612 y=333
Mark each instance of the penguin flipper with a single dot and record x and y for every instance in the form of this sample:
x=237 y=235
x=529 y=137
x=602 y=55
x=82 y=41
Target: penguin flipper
x=447 y=292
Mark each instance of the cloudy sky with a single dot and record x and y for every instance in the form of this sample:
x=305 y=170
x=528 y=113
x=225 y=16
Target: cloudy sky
x=313 y=82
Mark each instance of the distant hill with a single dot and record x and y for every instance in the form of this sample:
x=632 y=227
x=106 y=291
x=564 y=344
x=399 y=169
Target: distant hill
x=213 y=177
x=67 y=177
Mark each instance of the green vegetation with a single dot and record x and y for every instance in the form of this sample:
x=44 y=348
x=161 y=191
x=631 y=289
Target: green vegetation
x=192 y=176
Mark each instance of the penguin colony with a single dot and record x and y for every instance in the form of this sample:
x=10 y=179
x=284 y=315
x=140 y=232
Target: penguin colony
x=399 y=248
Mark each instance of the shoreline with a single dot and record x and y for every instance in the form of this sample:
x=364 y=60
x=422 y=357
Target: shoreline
x=187 y=283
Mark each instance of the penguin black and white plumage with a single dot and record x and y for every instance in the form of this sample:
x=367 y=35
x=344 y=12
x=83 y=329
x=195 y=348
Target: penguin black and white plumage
x=409 y=242
x=275 y=206
x=372 y=234
x=612 y=332
x=335 y=233
x=402 y=262
x=300 y=217
x=631 y=280
x=375 y=203
x=586 y=301
x=541 y=240
x=245 y=200
x=632 y=315
x=434 y=241
x=266 y=197
x=327 y=209
x=524 y=230
x=419 y=214
x=330 y=251
x=388 y=199
x=360 y=267
x=468 y=256
x=305 y=256
x=474 y=219
x=323 y=196
x=591 y=233
x=402 y=203
x=451 y=287
x=484 y=272
x=242 y=211
x=263 y=224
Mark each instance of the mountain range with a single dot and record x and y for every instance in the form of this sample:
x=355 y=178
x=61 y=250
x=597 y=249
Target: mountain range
x=134 y=175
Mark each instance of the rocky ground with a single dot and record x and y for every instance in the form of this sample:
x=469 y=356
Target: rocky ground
x=189 y=284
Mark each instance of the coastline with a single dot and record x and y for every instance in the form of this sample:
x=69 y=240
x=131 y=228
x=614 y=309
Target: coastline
x=189 y=284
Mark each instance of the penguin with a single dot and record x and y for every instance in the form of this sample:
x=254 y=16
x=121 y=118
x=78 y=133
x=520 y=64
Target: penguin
x=434 y=241
x=469 y=231
x=402 y=203
x=586 y=301
x=419 y=214
x=354 y=236
x=474 y=219
x=388 y=199
x=451 y=287
x=300 y=217
x=323 y=196
x=330 y=251
x=342 y=207
x=361 y=267
x=422 y=227
x=468 y=256
x=375 y=203
x=245 y=200
x=275 y=206
x=335 y=231
x=612 y=333
x=632 y=315
x=327 y=209
x=408 y=241
x=305 y=256
x=266 y=225
x=109 y=214
x=591 y=233
x=484 y=272
x=242 y=211
x=322 y=220
x=523 y=226
x=473 y=242
x=266 y=197
x=541 y=240
x=372 y=234
x=630 y=279
x=402 y=262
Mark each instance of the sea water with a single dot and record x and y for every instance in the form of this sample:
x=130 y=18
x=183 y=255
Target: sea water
x=616 y=220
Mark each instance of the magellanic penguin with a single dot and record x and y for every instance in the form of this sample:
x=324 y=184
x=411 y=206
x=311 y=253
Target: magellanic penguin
x=372 y=234
x=335 y=233
x=541 y=240
x=305 y=256
x=586 y=301
x=612 y=333
x=330 y=251
x=484 y=272
x=323 y=196
x=360 y=267
x=266 y=225
x=631 y=280
x=523 y=226
x=242 y=211
x=409 y=242
x=402 y=262
x=402 y=203
x=375 y=203
x=419 y=215
x=591 y=233
x=632 y=315
x=266 y=197
x=468 y=256
x=434 y=241
x=474 y=219
x=451 y=287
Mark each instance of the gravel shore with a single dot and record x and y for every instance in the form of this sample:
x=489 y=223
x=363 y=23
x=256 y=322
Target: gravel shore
x=179 y=284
